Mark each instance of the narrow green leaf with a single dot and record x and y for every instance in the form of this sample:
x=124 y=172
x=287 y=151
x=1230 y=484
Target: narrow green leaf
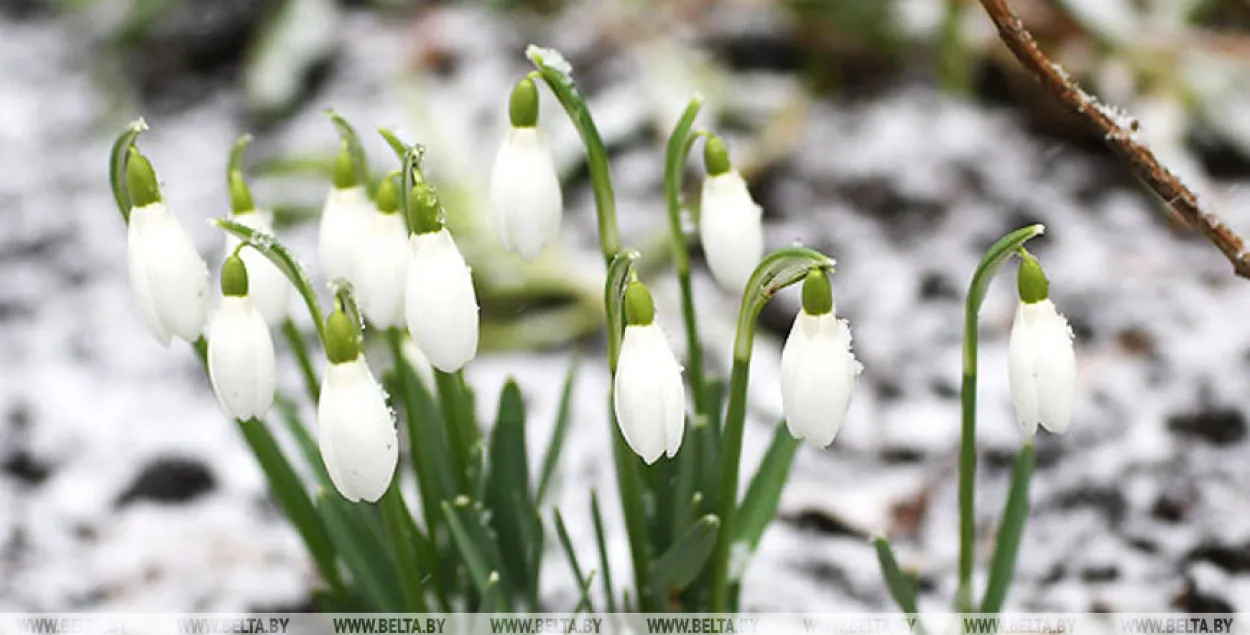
x=583 y=582
x=285 y=261
x=288 y=412
x=759 y=505
x=532 y=536
x=564 y=414
x=614 y=301
x=450 y=403
x=404 y=539
x=605 y=566
x=237 y=152
x=509 y=475
x=476 y=546
x=661 y=478
x=901 y=587
x=679 y=143
x=348 y=134
x=492 y=597
x=427 y=439
x=363 y=550
x=295 y=339
x=1010 y=532
x=686 y=557
x=117 y=165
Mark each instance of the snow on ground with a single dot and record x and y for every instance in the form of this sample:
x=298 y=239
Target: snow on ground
x=122 y=487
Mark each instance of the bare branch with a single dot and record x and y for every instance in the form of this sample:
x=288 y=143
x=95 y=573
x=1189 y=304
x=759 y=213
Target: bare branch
x=1120 y=132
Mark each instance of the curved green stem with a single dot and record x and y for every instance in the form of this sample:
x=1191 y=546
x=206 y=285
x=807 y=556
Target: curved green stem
x=777 y=271
x=679 y=144
x=555 y=71
x=348 y=134
x=990 y=262
x=296 y=341
x=117 y=165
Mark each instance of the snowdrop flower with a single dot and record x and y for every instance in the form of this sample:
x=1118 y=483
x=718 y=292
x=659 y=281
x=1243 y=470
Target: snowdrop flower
x=343 y=219
x=383 y=260
x=526 y=202
x=268 y=286
x=440 y=303
x=729 y=223
x=240 y=351
x=818 y=369
x=649 y=397
x=355 y=428
x=1041 y=364
x=167 y=275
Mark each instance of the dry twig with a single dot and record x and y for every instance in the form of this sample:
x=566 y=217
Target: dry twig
x=1120 y=132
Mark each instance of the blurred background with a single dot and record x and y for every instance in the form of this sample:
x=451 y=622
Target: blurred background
x=896 y=135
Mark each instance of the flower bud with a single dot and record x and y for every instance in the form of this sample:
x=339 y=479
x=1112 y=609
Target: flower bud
x=818 y=369
x=648 y=397
x=441 y=305
x=1041 y=362
x=356 y=431
x=730 y=225
x=383 y=265
x=342 y=221
x=240 y=350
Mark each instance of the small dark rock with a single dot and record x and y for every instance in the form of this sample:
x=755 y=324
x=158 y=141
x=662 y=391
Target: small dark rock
x=901 y=455
x=887 y=389
x=1217 y=426
x=935 y=286
x=1107 y=500
x=169 y=480
x=25 y=467
x=1230 y=558
x=1170 y=509
x=824 y=523
x=1193 y=601
x=1144 y=545
x=944 y=388
x=1108 y=573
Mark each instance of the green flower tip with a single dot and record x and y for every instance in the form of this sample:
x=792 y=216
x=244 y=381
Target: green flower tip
x=141 y=180
x=523 y=104
x=1031 y=280
x=240 y=194
x=639 y=307
x=342 y=338
x=388 y=194
x=234 y=277
x=345 y=169
x=716 y=156
x=817 y=292
x=426 y=211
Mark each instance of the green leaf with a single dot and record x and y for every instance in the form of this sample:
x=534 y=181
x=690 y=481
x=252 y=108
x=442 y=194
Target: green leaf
x=285 y=261
x=474 y=543
x=531 y=530
x=685 y=558
x=288 y=412
x=452 y=404
x=583 y=582
x=509 y=475
x=295 y=339
x=555 y=70
x=237 y=152
x=117 y=165
x=759 y=505
x=492 y=597
x=564 y=414
x=362 y=547
x=1015 y=516
x=776 y=271
x=614 y=300
x=404 y=537
x=604 y=565
x=902 y=587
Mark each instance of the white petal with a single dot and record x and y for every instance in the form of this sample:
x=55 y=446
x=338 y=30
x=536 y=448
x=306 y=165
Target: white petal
x=730 y=230
x=818 y=374
x=138 y=252
x=267 y=286
x=381 y=270
x=441 y=305
x=241 y=359
x=356 y=432
x=649 y=397
x=177 y=278
x=1055 y=368
x=526 y=201
x=1021 y=354
x=342 y=229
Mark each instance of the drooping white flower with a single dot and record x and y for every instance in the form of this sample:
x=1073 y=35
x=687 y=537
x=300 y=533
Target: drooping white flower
x=818 y=369
x=379 y=280
x=730 y=226
x=343 y=221
x=441 y=305
x=355 y=428
x=168 y=276
x=526 y=202
x=649 y=397
x=240 y=350
x=1041 y=368
x=267 y=285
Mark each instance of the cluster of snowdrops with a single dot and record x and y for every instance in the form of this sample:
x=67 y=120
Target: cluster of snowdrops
x=395 y=266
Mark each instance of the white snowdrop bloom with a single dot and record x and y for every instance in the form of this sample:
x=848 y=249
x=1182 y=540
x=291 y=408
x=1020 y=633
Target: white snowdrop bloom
x=1041 y=362
x=649 y=397
x=379 y=280
x=267 y=285
x=441 y=305
x=730 y=226
x=526 y=202
x=168 y=276
x=818 y=369
x=343 y=221
x=240 y=350
x=355 y=428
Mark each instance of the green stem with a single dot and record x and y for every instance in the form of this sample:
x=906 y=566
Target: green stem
x=1015 y=515
x=448 y=386
x=727 y=502
x=117 y=166
x=296 y=341
x=396 y=517
x=674 y=165
x=994 y=257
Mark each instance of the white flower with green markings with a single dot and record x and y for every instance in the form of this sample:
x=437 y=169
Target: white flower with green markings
x=379 y=281
x=240 y=350
x=1041 y=362
x=168 y=276
x=818 y=369
x=526 y=202
x=343 y=219
x=267 y=285
x=440 y=302
x=730 y=225
x=649 y=396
